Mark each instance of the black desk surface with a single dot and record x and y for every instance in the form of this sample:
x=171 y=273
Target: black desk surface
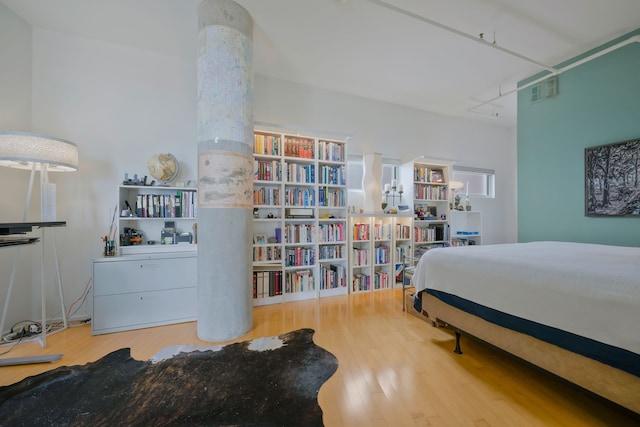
x=7 y=228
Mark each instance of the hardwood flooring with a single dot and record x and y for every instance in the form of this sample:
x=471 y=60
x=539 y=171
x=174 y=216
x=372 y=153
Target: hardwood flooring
x=394 y=369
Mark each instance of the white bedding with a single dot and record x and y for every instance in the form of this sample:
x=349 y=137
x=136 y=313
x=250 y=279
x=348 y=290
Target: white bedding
x=587 y=289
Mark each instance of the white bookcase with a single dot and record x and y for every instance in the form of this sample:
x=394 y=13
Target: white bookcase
x=148 y=284
x=466 y=228
x=300 y=218
x=151 y=207
x=426 y=185
x=377 y=244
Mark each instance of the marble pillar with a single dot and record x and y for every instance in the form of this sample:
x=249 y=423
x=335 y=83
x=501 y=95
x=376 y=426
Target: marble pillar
x=225 y=170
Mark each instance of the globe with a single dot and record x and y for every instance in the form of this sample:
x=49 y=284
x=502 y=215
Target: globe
x=163 y=167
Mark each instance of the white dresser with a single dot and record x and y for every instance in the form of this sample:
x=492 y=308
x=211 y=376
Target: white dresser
x=139 y=291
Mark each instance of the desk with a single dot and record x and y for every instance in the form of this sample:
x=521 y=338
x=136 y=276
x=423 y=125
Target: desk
x=17 y=228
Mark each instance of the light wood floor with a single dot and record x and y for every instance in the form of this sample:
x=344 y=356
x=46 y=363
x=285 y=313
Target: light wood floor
x=394 y=369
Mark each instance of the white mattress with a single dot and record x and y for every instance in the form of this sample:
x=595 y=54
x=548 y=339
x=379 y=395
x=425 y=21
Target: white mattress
x=586 y=289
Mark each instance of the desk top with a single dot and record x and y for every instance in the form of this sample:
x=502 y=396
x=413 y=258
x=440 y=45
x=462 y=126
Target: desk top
x=7 y=228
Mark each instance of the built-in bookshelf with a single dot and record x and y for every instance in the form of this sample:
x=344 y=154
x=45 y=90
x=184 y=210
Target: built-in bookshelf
x=300 y=218
x=155 y=219
x=466 y=228
x=377 y=244
x=426 y=185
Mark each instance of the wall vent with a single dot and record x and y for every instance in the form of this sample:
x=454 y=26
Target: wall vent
x=544 y=90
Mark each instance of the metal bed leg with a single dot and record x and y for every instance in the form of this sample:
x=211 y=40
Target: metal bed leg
x=457 y=349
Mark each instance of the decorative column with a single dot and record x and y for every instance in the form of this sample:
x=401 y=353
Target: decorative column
x=371 y=181
x=225 y=170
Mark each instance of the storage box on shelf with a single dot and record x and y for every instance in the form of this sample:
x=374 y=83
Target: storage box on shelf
x=426 y=185
x=466 y=228
x=143 y=212
x=300 y=220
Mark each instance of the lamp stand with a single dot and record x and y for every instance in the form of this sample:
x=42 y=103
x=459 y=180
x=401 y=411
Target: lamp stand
x=47 y=213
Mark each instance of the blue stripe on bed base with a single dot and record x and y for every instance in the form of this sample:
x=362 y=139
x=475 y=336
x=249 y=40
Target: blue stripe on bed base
x=619 y=358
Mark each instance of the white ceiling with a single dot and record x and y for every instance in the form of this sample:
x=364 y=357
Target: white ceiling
x=387 y=50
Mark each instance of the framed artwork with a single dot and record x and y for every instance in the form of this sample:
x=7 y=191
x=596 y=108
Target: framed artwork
x=259 y=239
x=436 y=175
x=612 y=179
x=432 y=210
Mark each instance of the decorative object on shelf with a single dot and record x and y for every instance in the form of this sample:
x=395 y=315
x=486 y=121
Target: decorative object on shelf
x=163 y=167
x=390 y=192
x=44 y=154
x=454 y=186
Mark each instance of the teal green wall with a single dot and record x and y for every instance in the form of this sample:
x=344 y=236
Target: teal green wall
x=598 y=103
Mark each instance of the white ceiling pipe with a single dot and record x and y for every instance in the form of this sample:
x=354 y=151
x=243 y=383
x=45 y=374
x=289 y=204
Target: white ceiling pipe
x=632 y=39
x=475 y=38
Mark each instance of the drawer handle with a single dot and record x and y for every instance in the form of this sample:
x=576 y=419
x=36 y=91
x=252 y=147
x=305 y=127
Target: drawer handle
x=149 y=265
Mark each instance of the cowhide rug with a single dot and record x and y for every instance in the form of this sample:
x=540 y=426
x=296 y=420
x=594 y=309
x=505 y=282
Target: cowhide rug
x=265 y=382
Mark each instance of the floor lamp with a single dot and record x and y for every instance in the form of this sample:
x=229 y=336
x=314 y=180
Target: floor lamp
x=43 y=154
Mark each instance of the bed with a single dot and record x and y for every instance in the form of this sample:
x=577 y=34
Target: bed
x=571 y=309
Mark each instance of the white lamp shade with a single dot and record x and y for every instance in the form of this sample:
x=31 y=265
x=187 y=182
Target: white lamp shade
x=22 y=150
x=456 y=185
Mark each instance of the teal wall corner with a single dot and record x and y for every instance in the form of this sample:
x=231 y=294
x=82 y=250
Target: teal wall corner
x=597 y=103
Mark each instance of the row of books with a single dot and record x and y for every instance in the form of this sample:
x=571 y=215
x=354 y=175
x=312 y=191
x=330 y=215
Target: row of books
x=381 y=280
x=299 y=233
x=267 y=253
x=331 y=151
x=426 y=174
x=298 y=147
x=332 y=232
x=271 y=170
x=267 y=170
x=181 y=205
x=421 y=249
x=382 y=255
x=301 y=173
x=333 y=276
x=266 y=144
x=331 y=197
x=403 y=231
x=427 y=192
x=381 y=231
x=300 y=196
x=299 y=281
x=360 y=257
x=361 y=282
x=267 y=284
x=331 y=252
x=334 y=175
x=360 y=231
x=431 y=234
x=266 y=196
x=296 y=257
x=401 y=251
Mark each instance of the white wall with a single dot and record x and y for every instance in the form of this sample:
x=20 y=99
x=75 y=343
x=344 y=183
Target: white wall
x=404 y=134
x=121 y=105
x=15 y=115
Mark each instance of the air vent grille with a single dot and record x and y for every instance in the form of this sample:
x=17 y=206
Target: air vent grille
x=545 y=89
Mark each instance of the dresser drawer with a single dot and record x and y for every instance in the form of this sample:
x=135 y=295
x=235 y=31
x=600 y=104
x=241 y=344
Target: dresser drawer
x=141 y=275
x=112 y=313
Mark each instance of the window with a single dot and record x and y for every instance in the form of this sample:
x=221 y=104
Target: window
x=355 y=173
x=478 y=182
